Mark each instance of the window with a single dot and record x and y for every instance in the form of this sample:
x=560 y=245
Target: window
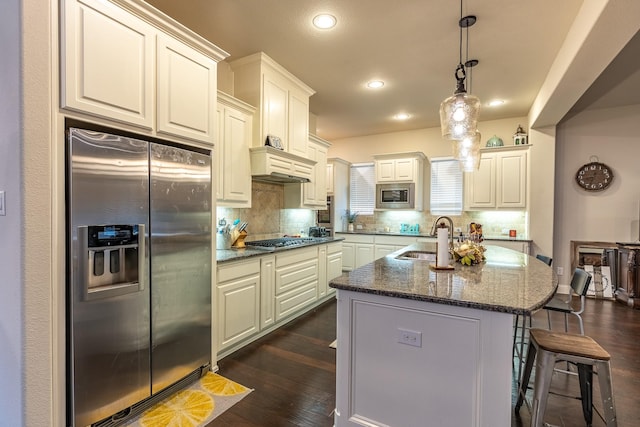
x=446 y=186
x=363 y=188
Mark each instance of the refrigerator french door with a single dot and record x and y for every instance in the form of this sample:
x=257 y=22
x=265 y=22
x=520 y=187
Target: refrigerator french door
x=139 y=282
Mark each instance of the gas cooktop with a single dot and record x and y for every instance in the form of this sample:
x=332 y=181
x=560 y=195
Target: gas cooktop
x=283 y=242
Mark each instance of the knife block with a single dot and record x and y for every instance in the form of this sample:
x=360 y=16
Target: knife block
x=239 y=243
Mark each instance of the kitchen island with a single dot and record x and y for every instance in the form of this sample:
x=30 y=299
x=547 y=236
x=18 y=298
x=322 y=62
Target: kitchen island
x=418 y=346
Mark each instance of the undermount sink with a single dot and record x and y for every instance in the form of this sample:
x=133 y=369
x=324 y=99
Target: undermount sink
x=417 y=255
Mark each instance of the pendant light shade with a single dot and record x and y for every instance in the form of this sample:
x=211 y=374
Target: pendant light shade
x=467 y=152
x=459 y=112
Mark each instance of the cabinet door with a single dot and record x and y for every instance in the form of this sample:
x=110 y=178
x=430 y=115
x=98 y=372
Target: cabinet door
x=382 y=251
x=334 y=265
x=267 y=290
x=329 y=179
x=321 y=177
x=512 y=180
x=364 y=254
x=385 y=170
x=187 y=89
x=237 y=165
x=314 y=193
x=108 y=61
x=298 y=123
x=310 y=190
x=238 y=307
x=404 y=170
x=218 y=153
x=322 y=271
x=275 y=110
x=348 y=256
x=481 y=184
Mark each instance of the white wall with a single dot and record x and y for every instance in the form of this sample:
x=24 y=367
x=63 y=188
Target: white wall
x=607 y=216
x=429 y=141
x=11 y=333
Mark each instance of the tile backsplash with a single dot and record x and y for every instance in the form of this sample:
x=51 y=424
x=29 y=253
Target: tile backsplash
x=268 y=219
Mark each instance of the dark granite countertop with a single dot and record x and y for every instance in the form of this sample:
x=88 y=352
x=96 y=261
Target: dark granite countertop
x=508 y=281
x=391 y=233
x=225 y=255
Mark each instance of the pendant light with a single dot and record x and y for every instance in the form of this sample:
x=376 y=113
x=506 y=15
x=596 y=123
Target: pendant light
x=459 y=112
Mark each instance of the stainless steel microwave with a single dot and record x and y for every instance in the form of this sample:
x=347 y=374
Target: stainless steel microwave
x=396 y=196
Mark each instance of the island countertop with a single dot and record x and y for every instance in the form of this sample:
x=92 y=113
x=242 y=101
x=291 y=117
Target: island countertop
x=508 y=281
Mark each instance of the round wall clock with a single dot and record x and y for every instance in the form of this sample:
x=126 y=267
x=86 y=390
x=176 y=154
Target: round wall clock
x=594 y=176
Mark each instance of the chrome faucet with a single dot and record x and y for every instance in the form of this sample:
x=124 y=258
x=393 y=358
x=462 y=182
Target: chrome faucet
x=435 y=225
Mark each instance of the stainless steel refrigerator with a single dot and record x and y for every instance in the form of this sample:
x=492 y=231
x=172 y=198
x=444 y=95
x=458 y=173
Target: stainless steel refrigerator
x=139 y=271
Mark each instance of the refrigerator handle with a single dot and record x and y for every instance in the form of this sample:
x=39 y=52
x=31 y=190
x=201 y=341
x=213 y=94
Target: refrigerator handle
x=112 y=285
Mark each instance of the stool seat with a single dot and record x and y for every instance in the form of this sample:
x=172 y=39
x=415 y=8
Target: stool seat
x=569 y=344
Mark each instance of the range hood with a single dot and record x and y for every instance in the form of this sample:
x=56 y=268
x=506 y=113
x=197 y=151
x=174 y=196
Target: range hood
x=269 y=164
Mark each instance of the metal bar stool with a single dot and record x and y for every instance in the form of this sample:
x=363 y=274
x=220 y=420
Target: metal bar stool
x=552 y=347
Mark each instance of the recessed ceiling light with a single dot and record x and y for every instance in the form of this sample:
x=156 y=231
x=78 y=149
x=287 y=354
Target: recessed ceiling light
x=375 y=84
x=496 y=102
x=401 y=116
x=324 y=21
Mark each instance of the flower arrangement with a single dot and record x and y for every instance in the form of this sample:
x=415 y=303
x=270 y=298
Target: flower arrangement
x=468 y=253
x=351 y=217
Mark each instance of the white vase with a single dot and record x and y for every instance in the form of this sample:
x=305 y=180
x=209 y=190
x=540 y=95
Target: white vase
x=350 y=227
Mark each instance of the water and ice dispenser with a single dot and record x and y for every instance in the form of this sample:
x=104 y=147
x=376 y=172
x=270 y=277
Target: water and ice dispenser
x=111 y=259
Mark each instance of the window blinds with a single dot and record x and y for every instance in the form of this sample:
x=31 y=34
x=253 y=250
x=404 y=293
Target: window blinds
x=363 y=188
x=446 y=186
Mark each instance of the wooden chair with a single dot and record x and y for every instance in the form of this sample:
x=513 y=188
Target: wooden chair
x=549 y=347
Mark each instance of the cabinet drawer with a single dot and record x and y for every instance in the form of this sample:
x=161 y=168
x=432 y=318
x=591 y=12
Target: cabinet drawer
x=236 y=270
x=296 y=256
x=294 y=276
x=295 y=300
x=333 y=248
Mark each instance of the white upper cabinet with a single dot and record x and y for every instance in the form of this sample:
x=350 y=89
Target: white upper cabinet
x=395 y=170
x=501 y=180
x=108 y=55
x=136 y=68
x=235 y=120
x=187 y=82
x=313 y=194
x=281 y=98
x=411 y=167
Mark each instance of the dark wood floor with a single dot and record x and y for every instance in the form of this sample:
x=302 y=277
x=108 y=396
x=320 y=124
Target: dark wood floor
x=293 y=371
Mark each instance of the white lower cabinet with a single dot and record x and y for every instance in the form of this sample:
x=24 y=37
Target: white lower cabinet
x=361 y=249
x=322 y=271
x=267 y=290
x=357 y=250
x=296 y=280
x=334 y=263
x=238 y=302
x=516 y=245
x=254 y=296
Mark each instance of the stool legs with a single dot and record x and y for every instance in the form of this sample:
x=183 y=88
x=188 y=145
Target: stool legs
x=585 y=376
x=524 y=379
x=606 y=391
x=545 y=362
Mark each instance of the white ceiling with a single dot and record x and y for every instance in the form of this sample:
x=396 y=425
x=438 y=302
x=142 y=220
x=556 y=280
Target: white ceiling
x=410 y=44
